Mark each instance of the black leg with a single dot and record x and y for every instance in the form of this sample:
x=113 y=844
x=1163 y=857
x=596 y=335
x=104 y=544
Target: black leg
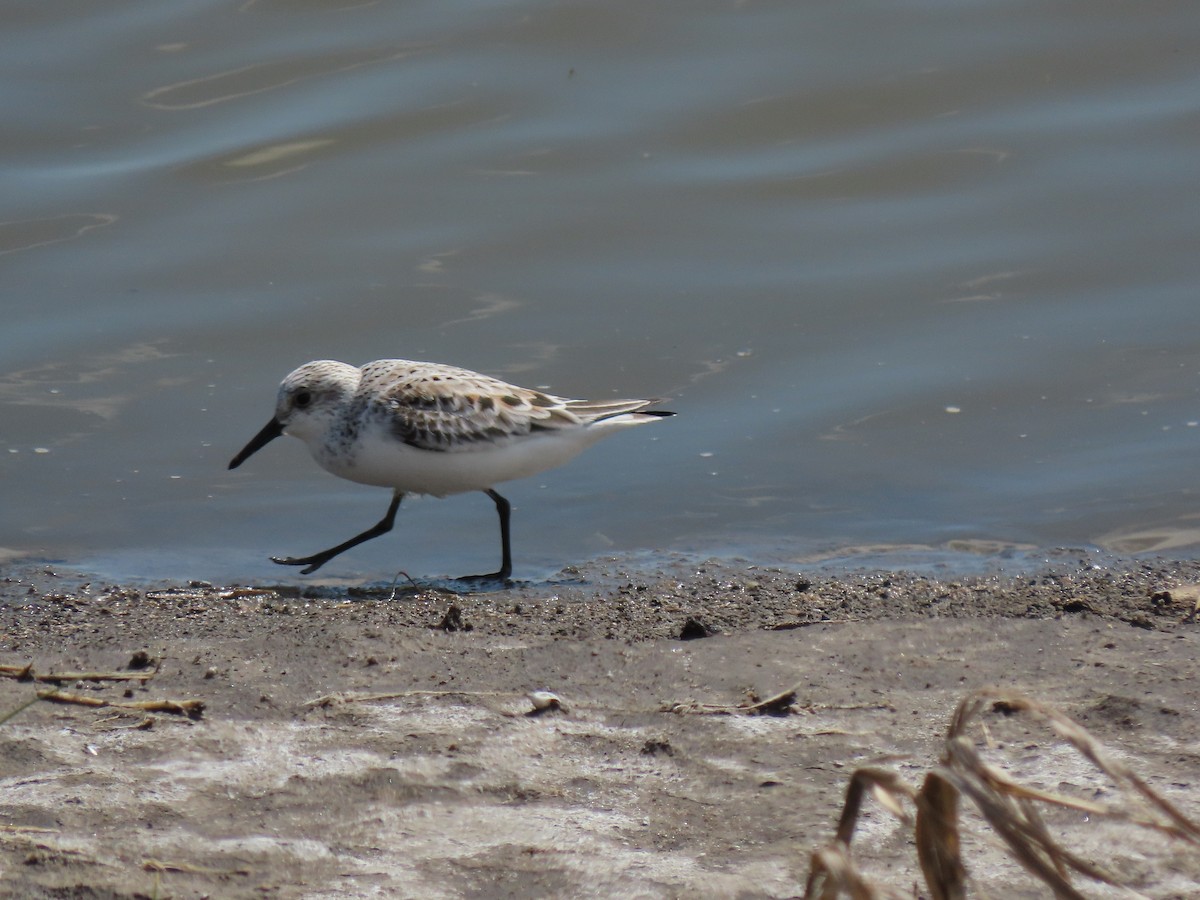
x=314 y=562
x=503 y=509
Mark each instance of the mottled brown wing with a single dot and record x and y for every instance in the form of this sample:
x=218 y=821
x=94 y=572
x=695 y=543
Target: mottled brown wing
x=444 y=408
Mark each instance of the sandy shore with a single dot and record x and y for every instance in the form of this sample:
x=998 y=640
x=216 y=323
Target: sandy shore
x=353 y=744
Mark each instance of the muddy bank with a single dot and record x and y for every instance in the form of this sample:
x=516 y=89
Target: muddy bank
x=355 y=744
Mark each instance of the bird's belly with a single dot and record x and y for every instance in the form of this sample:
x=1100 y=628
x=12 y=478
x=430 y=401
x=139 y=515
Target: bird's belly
x=440 y=472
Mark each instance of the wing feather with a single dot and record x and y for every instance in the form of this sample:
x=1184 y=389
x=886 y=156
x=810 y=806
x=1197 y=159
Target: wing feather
x=434 y=407
x=445 y=408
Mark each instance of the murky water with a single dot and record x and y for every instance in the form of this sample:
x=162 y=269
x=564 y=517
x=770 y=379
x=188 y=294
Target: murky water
x=912 y=274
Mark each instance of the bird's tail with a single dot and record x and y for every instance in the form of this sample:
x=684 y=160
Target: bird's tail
x=598 y=410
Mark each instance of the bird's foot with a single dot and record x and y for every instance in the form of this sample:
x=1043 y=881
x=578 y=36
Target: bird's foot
x=311 y=563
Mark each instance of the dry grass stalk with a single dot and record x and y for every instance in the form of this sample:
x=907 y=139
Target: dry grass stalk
x=193 y=709
x=832 y=870
x=887 y=789
x=1018 y=824
x=1176 y=825
x=833 y=873
x=26 y=673
x=26 y=829
x=939 y=850
x=350 y=697
x=1010 y=809
x=777 y=705
x=157 y=865
x=780 y=704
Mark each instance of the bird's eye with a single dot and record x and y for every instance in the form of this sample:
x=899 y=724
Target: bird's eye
x=302 y=399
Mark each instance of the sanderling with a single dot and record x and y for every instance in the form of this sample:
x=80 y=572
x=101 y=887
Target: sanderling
x=426 y=428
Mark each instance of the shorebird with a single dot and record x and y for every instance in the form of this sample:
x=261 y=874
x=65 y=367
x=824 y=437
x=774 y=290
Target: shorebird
x=428 y=428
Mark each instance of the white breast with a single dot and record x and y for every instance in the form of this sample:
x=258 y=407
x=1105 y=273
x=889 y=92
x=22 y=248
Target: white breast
x=379 y=458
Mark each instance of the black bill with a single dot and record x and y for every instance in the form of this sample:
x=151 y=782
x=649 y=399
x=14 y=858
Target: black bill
x=270 y=431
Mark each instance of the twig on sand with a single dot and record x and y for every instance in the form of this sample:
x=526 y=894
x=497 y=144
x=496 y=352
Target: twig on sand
x=350 y=697
x=541 y=701
x=26 y=673
x=780 y=704
x=193 y=709
x=158 y=865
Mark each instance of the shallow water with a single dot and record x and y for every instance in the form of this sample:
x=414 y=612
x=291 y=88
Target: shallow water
x=913 y=276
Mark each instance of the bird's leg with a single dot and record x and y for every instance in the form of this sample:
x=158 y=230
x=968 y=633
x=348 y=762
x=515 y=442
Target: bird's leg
x=314 y=562
x=503 y=509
